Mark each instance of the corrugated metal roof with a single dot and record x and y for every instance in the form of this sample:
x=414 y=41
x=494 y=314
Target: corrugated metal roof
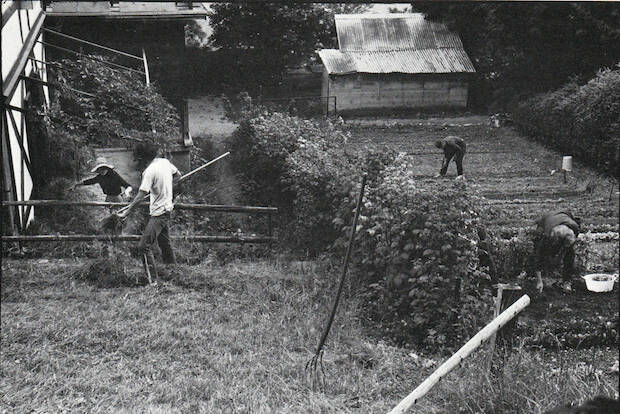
x=399 y=61
x=394 y=31
x=394 y=43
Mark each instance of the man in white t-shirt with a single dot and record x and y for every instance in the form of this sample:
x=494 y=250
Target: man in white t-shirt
x=157 y=179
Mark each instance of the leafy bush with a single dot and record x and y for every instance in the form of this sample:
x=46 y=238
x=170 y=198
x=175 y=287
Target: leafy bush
x=301 y=167
x=580 y=120
x=416 y=253
x=120 y=106
x=416 y=258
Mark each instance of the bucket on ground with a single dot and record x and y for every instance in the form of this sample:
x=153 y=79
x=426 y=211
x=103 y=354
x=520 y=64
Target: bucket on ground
x=567 y=163
x=600 y=282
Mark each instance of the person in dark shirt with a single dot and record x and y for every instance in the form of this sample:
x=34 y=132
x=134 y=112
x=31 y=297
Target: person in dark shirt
x=109 y=180
x=452 y=147
x=556 y=234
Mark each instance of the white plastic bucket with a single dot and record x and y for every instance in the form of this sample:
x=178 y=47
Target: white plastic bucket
x=600 y=282
x=567 y=163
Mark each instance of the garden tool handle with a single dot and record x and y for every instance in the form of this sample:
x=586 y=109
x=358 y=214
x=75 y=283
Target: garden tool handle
x=183 y=177
x=201 y=167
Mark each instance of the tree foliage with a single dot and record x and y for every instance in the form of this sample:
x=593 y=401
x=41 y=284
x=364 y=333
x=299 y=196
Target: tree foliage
x=524 y=48
x=275 y=35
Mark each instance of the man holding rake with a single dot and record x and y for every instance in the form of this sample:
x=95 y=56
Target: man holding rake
x=157 y=179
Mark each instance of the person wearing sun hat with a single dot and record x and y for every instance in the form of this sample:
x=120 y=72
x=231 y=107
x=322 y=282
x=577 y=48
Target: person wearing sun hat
x=111 y=183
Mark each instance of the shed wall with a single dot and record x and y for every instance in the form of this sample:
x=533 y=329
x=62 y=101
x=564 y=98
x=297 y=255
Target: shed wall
x=371 y=91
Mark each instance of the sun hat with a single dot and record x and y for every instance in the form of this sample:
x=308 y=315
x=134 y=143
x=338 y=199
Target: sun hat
x=101 y=162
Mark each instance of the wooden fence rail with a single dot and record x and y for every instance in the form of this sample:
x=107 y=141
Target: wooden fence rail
x=136 y=237
x=180 y=206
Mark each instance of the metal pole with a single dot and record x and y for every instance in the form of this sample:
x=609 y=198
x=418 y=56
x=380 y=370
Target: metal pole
x=90 y=57
x=92 y=44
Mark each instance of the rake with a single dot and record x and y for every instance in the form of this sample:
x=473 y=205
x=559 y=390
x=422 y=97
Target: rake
x=317 y=360
x=114 y=222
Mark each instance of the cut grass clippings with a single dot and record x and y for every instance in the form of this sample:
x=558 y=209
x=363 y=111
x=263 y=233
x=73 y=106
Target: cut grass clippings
x=235 y=339
x=110 y=272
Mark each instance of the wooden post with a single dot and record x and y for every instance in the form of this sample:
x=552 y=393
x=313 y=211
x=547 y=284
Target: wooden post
x=461 y=354
x=7 y=168
x=506 y=296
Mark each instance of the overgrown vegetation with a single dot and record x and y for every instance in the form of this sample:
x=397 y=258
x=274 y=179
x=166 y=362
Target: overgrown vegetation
x=120 y=106
x=94 y=104
x=416 y=253
x=417 y=258
x=580 y=120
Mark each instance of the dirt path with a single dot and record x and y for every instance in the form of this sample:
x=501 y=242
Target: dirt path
x=207 y=121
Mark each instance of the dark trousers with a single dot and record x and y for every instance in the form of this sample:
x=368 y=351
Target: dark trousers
x=546 y=248
x=458 y=158
x=156 y=231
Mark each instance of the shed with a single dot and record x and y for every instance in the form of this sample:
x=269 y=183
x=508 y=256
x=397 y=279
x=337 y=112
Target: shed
x=395 y=61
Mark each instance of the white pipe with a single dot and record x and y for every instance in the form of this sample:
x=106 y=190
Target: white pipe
x=461 y=354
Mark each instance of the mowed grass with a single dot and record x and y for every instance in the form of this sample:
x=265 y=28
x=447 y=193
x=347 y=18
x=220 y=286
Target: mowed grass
x=236 y=339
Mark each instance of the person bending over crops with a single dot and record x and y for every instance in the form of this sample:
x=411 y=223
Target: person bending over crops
x=556 y=234
x=157 y=179
x=452 y=146
x=111 y=183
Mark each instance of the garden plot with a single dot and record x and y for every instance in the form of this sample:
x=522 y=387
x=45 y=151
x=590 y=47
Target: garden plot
x=513 y=173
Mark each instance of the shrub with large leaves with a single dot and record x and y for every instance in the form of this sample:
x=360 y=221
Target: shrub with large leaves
x=416 y=257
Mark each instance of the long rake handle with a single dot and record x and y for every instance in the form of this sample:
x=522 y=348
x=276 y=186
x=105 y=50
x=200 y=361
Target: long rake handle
x=183 y=177
x=344 y=270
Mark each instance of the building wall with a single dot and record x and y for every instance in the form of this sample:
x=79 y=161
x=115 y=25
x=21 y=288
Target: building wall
x=375 y=91
x=19 y=20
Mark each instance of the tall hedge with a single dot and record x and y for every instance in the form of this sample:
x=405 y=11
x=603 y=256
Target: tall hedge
x=581 y=120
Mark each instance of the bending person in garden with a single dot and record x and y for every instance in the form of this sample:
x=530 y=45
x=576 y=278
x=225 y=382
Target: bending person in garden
x=157 y=179
x=556 y=234
x=452 y=146
x=111 y=183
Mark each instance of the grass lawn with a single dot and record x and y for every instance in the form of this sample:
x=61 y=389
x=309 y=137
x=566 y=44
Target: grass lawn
x=235 y=339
